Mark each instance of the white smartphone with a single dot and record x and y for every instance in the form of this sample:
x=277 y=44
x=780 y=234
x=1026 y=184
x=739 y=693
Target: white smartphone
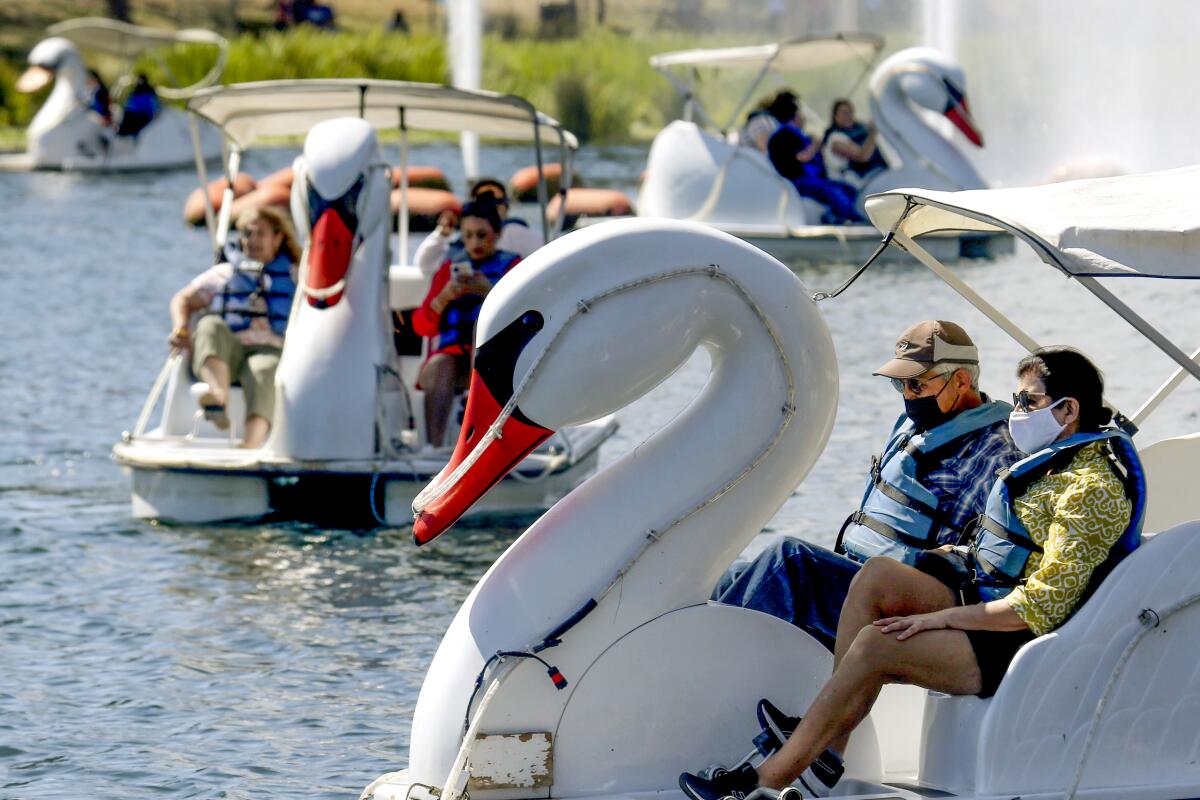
x=461 y=269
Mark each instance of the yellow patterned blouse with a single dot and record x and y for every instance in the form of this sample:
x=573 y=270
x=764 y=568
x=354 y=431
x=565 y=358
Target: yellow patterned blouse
x=1075 y=515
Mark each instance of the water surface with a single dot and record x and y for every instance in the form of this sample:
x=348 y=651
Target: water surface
x=283 y=660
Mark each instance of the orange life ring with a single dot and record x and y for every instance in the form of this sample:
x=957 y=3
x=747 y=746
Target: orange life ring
x=590 y=203
x=421 y=177
x=193 y=207
x=284 y=176
x=523 y=183
x=424 y=206
x=278 y=194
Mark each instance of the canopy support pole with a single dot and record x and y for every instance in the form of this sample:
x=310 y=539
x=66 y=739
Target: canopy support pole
x=1156 y=399
x=402 y=221
x=541 y=185
x=231 y=170
x=210 y=214
x=1142 y=326
x=969 y=294
x=564 y=183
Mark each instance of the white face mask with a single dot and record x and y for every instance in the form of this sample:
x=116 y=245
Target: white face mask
x=1033 y=430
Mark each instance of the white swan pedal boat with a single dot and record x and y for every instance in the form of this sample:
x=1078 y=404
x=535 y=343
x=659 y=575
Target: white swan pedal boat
x=695 y=172
x=65 y=135
x=609 y=588
x=348 y=435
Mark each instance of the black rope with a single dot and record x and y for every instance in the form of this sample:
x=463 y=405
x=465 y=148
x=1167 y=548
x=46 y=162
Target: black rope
x=819 y=296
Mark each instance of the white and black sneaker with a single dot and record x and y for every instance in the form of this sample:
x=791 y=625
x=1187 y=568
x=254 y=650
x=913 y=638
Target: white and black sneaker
x=821 y=776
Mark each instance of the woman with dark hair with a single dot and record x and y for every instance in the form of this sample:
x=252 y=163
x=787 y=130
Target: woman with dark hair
x=797 y=157
x=451 y=307
x=849 y=147
x=1056 y=522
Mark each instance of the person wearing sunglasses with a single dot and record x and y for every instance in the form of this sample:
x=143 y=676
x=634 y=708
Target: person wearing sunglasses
x=1056 y=523
x=931 y=479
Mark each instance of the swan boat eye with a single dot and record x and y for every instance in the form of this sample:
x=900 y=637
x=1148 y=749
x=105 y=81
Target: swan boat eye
x=956 y=94
x=346 y=206
x=496 y=359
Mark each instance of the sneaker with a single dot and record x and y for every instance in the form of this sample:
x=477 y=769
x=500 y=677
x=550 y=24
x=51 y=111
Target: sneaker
x=737 y=783
x=776 y=728
x=822 y=775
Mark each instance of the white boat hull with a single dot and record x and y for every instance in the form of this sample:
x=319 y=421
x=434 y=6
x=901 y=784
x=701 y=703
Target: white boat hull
x=182 y=481
x=693 y=175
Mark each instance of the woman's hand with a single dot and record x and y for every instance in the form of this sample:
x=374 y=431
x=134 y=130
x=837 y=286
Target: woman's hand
x=447 y=221
x=910 y=626
x=179 y=338
x=476 y=283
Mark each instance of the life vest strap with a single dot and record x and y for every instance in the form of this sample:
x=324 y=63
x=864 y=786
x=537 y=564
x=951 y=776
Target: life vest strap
x=883 y=529
x=998 y=530
x=908 y=502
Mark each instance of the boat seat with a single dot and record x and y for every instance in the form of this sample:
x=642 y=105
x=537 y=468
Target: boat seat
x=1171 y=467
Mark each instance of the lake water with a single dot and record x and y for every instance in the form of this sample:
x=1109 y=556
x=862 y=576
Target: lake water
x=284 y=660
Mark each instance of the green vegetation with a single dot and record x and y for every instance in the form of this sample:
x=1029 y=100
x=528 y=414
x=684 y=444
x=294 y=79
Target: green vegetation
x=600 y=84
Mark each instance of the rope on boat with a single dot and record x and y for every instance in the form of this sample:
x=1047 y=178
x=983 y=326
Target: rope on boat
x=819 y=296
x=1150 y=619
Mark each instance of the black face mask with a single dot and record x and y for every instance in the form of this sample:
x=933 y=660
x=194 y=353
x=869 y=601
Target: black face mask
x=925 y=412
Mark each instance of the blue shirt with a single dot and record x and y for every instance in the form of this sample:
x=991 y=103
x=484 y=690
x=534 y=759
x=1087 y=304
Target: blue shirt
x=962 y=480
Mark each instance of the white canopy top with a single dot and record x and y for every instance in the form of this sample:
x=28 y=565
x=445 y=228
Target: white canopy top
x=247 y=112
x=806 y=53
x=1147 y=225
x=130 y=41
x=123 y=39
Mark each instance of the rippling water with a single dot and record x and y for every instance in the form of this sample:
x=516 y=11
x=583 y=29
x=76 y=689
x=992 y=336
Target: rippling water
x=275 y=660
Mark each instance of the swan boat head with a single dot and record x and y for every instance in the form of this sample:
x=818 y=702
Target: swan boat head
x=930 y=80
x=337 y=334
x=54 y=60
x=585 y=326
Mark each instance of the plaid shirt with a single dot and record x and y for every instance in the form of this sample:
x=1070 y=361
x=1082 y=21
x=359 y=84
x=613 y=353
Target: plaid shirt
x=962 y=481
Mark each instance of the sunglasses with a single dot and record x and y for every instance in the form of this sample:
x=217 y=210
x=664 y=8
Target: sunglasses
x=915 y=385
x=1024 y=400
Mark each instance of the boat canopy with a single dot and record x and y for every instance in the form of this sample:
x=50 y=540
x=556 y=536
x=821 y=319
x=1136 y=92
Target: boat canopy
x=805 y=53
x=1127 y=226
x=249 y=112
x=130 y=41
x=1146 y=225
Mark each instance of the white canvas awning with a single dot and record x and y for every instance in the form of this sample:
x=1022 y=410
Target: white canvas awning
x=1147 y=225
x=248 y=112
x=806 y=53
x=130 y=41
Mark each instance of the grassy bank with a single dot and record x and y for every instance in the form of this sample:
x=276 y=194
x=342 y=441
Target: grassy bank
x=600 y=85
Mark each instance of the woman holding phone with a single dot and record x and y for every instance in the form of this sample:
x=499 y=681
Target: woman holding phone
x=448 y=315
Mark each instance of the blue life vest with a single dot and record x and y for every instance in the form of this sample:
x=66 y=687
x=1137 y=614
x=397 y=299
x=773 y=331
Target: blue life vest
x=899 y=516
x=273 y=283
x=1001 y=545
x=457 y=325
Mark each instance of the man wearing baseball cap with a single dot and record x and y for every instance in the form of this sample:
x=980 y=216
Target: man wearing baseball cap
x=932 y=478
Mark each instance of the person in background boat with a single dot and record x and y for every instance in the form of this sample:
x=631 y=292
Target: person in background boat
x=761 y=123
x=966 y=442
x=1069 y=515
x=516 y=236
x=448 y=314
x=246 y=308
x=140 y=107
x=850 y=148
x=99 y=101
x=797 y=157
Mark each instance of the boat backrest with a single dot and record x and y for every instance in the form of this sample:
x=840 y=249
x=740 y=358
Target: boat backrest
x=1171 y=468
